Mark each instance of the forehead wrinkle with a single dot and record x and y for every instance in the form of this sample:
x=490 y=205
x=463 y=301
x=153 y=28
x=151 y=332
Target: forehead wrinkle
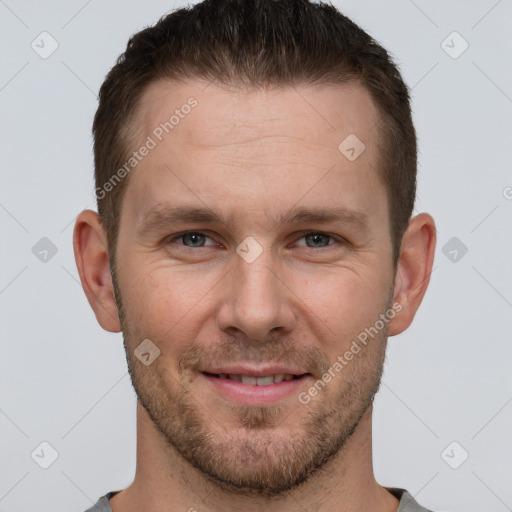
x=263 y=140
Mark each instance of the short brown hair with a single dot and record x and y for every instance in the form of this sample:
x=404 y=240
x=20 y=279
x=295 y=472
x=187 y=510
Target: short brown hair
x=256 y=43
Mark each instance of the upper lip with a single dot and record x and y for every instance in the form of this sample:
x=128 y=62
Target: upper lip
x=253 y=371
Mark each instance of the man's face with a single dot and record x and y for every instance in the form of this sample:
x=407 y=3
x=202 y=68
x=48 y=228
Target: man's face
x=257 y=159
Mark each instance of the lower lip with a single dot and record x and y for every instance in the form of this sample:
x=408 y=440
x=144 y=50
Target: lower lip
x=256 y=395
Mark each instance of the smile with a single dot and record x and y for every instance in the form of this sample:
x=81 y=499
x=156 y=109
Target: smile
x=256 y=390
x=264 y=380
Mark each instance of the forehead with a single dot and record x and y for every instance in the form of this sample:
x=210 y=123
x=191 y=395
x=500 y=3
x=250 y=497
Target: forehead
x=257 y=147
x=222 y=110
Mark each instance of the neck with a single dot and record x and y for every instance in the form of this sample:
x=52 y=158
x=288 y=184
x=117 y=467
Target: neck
x=164 y=481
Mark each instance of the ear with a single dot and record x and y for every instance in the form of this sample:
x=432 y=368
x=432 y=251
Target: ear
x=414 y=267
x=92 y=260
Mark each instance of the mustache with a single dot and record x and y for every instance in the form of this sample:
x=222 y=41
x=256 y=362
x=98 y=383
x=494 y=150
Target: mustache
x=278 y=350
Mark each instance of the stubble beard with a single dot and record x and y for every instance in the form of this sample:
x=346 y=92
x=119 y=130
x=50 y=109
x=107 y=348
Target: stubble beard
x=269 y=453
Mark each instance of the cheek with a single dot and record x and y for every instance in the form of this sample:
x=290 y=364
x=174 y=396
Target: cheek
x=164 y=303
x=342 y=304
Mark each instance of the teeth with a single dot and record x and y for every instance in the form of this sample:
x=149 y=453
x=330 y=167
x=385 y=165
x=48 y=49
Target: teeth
x=264 y=381
x=257 y=381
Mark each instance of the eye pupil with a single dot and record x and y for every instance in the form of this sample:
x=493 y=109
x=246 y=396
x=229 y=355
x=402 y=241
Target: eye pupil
x=194 y=238
x=317 y=238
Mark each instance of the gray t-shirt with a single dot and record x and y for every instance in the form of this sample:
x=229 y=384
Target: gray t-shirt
x=407 y=502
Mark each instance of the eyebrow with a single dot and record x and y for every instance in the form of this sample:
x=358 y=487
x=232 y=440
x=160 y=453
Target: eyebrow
x=168 y=215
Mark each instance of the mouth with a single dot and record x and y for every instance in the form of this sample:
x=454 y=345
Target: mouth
x=256 y=390
x=262 y=380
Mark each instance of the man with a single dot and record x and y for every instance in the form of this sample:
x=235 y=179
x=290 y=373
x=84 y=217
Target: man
x=255 y=166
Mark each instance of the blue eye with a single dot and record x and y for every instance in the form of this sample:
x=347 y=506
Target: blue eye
x=197 y=239
x=317 y=238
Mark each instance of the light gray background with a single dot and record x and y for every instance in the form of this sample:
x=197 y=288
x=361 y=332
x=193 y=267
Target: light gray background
x=447 y=378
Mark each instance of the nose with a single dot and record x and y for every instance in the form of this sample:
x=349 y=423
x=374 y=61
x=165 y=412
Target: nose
x=256 y=299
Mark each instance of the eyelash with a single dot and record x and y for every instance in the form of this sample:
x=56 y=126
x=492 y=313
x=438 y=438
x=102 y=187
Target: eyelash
x=335 y=238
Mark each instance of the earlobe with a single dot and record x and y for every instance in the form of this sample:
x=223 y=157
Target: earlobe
x=92 y=261
x=413 y=271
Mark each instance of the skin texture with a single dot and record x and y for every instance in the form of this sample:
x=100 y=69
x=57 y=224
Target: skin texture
x=254 y=156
